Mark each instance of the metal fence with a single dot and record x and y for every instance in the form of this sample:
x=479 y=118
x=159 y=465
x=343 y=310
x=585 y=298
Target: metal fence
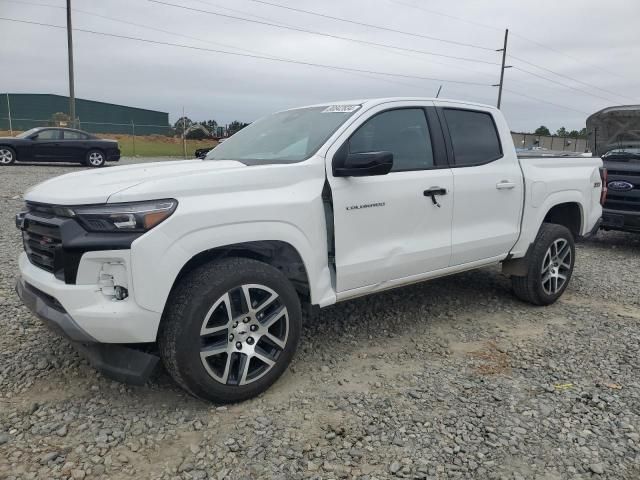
x=528 y=141
x=126 y=134
x=130 y=128
x=134 y=139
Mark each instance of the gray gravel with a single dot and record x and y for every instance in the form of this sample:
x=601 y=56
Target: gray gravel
x=453 y=378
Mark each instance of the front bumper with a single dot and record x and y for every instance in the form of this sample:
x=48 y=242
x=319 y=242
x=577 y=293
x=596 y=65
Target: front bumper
x=115 y=361
x=113 y=156
x=620 y=220
x=97 y=326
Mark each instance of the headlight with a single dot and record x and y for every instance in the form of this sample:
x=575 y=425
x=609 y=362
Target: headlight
x=124 y=217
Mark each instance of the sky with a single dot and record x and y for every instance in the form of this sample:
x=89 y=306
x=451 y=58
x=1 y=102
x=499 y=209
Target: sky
x=569 y=59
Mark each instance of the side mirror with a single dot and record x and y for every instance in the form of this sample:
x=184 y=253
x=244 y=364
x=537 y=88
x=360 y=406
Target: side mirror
x=361 y=164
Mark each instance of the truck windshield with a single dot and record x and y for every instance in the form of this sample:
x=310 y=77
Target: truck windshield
x=284 y=137
x=622 y=154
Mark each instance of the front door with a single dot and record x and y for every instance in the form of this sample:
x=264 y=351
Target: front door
x=46 y=145
x=488 y=182
x=387 y=227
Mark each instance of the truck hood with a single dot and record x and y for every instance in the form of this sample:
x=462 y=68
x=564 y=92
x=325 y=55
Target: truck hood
x=97 y=186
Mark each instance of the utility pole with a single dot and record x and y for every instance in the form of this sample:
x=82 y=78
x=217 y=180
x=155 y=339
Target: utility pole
x=439 y=90
x=9 y=115
x=133 y=131
x=72 y=95
x=184 y=141
x=504 y=59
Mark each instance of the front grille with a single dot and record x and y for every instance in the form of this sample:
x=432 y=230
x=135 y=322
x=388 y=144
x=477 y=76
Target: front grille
x=41 y=241
x=627 y=203
x=622 y=173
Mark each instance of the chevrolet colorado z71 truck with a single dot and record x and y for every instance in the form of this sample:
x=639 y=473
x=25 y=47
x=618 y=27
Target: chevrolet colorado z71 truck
x=212 y=260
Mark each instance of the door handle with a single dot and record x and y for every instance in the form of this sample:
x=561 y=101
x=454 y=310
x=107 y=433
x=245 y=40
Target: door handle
x=432 y=192
x=505 y=185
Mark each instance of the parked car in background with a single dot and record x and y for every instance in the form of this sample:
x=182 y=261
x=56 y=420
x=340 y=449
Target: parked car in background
x=49 y=144
x=214 y=259
x=202 y=152
x=622 y=205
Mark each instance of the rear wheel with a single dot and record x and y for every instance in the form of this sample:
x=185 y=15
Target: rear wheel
x=95 y=159
x=550 y=266
x=230 y=329
x=7 y=155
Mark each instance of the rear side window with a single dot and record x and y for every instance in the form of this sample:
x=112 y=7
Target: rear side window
x=69 y=135
x=403 y=132
x=474 y=137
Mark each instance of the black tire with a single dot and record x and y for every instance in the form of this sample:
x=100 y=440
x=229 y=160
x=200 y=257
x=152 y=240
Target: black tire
x=181 y=339
x=95 y=158
x=532 y=287
x=7 y=155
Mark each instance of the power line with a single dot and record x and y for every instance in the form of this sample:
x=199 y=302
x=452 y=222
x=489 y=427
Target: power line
x=575 y=59
x=529 y=72
x=541 y=45
x=323 y=34
x=139 y=25
x=569 y=78
x=544 y=101
x=378 y=27
x=259 y=57
x=446 y=15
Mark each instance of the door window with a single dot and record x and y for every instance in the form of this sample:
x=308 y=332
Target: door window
x=48 y=135
x=474 y=137
x=69 y=135
x=403 y=132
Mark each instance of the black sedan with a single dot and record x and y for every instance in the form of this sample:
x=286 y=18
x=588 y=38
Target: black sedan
x=58 y=145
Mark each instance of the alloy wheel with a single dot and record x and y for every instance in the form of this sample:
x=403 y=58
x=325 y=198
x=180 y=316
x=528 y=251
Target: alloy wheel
x=556 y=266
x=6 y=156
x=95 y=159
x=243 y=334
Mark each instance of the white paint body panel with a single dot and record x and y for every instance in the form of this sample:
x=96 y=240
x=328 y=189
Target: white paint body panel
x=486 y=217
x=225 y=202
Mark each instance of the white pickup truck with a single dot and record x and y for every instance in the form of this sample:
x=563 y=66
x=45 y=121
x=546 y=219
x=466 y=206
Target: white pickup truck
x=212 y=260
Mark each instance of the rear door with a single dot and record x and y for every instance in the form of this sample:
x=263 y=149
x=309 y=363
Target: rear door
x=385 y=226
x=489 y=187
x=73 y=145
x=46 y=145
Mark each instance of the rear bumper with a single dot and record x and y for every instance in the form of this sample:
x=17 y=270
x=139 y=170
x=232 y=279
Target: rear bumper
x=620 y=220
x=119 y=362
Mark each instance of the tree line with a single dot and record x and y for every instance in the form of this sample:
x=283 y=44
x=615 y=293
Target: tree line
x=561 y=132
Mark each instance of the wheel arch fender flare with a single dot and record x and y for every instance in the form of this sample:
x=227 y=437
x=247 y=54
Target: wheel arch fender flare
x=177 y=254
x=534 y=217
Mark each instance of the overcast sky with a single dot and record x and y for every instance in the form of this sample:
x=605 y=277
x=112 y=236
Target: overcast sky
x=594 y=38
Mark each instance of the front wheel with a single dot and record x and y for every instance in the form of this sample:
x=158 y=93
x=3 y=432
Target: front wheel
x=7 y=155
x=549 y=266
x=95 y=159
x=230 y=329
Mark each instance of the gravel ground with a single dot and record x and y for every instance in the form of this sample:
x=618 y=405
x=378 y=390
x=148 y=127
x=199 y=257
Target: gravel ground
x=452 y=378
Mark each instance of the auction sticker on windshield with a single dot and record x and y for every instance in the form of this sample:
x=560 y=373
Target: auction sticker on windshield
x=341 y=108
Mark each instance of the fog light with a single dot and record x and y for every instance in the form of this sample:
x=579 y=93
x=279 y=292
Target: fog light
x=120 y=292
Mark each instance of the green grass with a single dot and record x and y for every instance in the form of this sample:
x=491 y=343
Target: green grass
x=160 y=146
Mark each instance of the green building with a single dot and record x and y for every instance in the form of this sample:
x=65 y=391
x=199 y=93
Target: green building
x=22 y=111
